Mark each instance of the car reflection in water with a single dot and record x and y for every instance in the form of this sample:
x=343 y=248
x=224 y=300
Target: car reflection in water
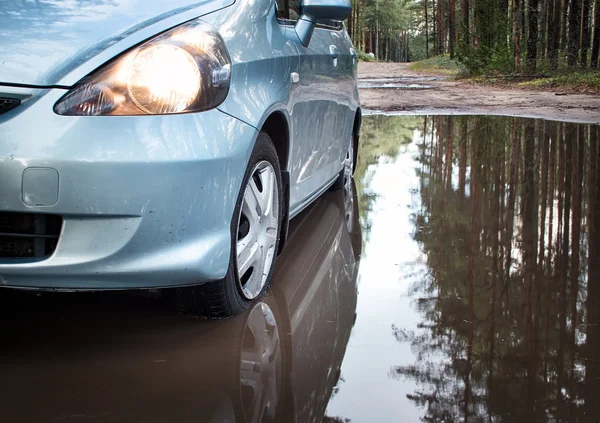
x=115 y=357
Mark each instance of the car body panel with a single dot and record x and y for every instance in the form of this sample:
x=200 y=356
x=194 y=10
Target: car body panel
x=55 y=42
x=315 y=107
x=147 y=195
x=147 y=201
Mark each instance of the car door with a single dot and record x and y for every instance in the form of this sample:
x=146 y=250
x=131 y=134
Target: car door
x=344 y=87
x=314 y=116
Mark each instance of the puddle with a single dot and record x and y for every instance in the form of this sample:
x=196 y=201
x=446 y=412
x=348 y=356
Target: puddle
x=479 y=287
x=459 y=282
x=402 y=78
x=393 y=85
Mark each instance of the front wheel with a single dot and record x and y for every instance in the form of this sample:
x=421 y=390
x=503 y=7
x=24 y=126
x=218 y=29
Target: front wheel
x=255 y=239
x=344 y=180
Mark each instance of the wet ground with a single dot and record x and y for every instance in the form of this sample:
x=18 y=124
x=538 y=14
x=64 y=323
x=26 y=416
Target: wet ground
x=459 y=282
x=441 y=95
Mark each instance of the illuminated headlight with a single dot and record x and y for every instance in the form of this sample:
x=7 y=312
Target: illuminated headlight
x=186 y=69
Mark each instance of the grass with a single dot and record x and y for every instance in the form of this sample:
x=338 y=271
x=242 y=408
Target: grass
x=588 y=82
x=576 y=81
x=442 y=65
x=364 y=57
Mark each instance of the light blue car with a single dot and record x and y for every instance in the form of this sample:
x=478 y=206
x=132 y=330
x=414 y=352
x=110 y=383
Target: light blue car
x=147 y=144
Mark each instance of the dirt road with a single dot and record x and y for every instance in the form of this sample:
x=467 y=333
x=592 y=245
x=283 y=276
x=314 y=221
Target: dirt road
x=393 y=87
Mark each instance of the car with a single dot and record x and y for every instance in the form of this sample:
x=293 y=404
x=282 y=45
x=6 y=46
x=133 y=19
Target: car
x=155 y=144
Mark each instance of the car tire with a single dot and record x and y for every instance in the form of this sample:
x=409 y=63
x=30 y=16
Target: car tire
x=256 y=236
x=344 y=179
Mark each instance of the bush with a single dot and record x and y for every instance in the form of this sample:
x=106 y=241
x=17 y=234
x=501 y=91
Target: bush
x=485 y=60
x=442 y=64
x=364 y=57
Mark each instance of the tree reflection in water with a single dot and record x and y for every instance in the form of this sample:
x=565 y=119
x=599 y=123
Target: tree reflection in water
x=509 y=225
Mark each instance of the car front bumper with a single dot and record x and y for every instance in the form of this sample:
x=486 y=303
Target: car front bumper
x=146 y=201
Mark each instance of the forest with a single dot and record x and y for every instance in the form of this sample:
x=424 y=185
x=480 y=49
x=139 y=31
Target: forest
x=486 y=36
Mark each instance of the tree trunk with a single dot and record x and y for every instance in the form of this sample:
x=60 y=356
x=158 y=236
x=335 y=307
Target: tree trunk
x=585 y=33
x=564 y=9
x=464 y=9
x=426 y=31
x=517 y=34
x=377 y=40
x=451 y=26
x=532 y=36
x=554 y=33
x=573 y=37
x=349 y=24
x=596 y=37
x=364 y=28
x=543 y=29
x=441 y=33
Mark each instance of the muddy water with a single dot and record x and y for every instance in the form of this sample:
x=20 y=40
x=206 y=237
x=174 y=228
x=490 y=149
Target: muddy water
x=459 y=281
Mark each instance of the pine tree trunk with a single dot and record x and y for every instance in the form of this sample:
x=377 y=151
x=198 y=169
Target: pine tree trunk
x=349 y=23
x=364 y=28
x=564 y=8
x=573 y=37
x=542 y=36
x=434 y=19
x=585 y=32
x=377 y=40
x=464 y=9
x=554 y=33
x=532 y=36
x=441 y=30
x=426 y=31
x=517 y=34
x=596 y=37
x=451 y=26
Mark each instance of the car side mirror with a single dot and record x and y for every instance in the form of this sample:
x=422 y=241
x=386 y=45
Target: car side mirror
x=313 y=10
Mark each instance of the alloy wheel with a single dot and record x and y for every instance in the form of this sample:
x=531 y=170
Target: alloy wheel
x=258 y=227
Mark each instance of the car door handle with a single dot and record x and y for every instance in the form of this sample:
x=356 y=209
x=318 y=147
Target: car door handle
x=333 y=50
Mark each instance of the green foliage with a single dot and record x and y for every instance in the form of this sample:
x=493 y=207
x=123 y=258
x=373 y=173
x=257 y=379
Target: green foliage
x=442 y=64
x=485 y=60
x=362 y=56
x=578 y=81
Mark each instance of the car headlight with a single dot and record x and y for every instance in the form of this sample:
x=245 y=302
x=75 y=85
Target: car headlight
x=186 y=69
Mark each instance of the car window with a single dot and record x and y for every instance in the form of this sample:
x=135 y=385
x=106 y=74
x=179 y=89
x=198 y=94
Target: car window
x=294 y=9
x=288 y=12
x=281 y=8
x=330 y=24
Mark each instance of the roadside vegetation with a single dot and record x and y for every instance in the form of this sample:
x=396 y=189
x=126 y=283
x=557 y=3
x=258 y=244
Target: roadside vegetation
x=442 y=65
x=564 y=80
x=532 y=43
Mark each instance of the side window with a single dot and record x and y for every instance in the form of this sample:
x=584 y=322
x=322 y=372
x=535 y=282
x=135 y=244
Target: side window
x=281 y=9
x=330 y=24
x=294 y=9
x=288 y=11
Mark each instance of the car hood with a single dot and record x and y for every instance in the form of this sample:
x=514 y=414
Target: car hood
x=45 y=42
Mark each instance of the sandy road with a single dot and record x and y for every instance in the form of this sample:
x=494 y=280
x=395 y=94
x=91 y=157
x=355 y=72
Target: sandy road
x=433 y=94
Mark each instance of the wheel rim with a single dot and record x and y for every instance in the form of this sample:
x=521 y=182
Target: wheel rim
x=348 y=167
x=260 y=365
x=258 y=226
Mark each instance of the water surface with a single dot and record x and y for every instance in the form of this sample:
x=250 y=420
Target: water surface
x=458 y=282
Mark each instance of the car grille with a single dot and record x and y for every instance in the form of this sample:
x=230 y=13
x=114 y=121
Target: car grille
x=28 y=235
x=7 y=104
